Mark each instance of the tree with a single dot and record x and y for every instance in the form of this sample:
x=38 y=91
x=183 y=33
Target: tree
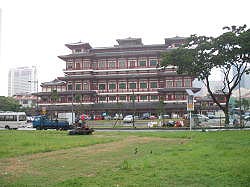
x=228 y=52
x=245 y=103
x=9 y=104
x=80 y=107
x=54 y=96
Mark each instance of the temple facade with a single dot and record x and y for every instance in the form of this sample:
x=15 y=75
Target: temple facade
x=126 y=77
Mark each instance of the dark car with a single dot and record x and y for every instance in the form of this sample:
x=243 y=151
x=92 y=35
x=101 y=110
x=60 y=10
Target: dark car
x=145 y=116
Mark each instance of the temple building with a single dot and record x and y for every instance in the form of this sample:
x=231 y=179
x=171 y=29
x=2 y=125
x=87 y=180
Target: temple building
x=126 y=78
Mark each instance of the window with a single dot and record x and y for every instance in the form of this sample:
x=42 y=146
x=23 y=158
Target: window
x=178 y=97
x=70 y=87
x=25 y=102
x=78 y=86
x=132 y=64
x=169 y=97
x=153 y=84
x=178 y=83
x=102 y=86
x=142 y=63
x=10 y=118
x=154 y=97
x=78 y=65
x=143 y=97
x=122 y=97
x=132 y=85
x=69 y=65
x=143 y=85
x=152 y=62
x=63 y=99
x=122 y=63
x=85 y=86
x=122 y=85
x=132 y=98
x=112 y=98
x=94 y=65
x=69 y=99
x=102 y=98
x=101 y=64
x=187 y=82
x=111 y=64
x=86 y=65
x=169 y=83
x=22 y=118
x=112 y=86
x=78 y=50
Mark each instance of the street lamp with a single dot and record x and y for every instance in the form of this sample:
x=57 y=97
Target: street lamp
x=133 y=97
x=240 y=104
x=72 y=105
x=36 y=82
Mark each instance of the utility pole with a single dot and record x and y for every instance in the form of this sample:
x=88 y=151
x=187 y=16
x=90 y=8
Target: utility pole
x=36 y=82
x=72 y=106
x=190 y=105
x=240 y=105
x=133 y=99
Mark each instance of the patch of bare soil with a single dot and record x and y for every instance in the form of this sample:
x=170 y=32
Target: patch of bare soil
x=16 y=166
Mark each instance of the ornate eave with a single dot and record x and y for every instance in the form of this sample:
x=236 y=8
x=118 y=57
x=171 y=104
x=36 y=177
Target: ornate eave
x=70 y=92
x=180 y=89
x=78 y=45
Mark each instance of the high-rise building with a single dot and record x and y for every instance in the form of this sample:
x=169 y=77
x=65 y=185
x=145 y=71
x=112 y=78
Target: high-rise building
x=126 y=77
x=22 y=80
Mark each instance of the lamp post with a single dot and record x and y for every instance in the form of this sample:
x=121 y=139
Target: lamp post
x=36 y=82
x=133 y=97
x=240 y=104
x=72 y=106
x=190 y=105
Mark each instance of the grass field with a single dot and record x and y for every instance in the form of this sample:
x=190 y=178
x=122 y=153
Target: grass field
x=52 y=158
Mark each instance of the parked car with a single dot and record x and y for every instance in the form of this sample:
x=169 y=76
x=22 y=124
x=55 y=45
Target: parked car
x=118 y=116
x=165 y=116
x=98 y=117
x=247 y=118
x=200 y=117
x=211 y=116
x=84 y=117
x=152 y=117
x=145 y=116
x=136 y=117
x=169 y=124
x=107 y=117
x=128 y=119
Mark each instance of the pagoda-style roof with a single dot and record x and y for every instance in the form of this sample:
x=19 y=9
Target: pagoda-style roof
x=116 y=53
x=78 y=45
x=129 y=42
x=121 y=76
x=175 y=40
x=55 y=82
x=76 y=77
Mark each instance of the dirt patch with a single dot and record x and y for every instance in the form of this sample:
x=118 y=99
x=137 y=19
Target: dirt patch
x=12 y=166
x=16 y=166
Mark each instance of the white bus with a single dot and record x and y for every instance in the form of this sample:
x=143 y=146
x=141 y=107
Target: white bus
x=12 y=120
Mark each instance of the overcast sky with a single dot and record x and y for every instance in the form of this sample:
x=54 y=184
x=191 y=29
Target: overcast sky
x=33 y=33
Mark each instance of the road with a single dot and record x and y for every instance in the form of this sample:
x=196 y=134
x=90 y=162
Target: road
x=142 y=125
